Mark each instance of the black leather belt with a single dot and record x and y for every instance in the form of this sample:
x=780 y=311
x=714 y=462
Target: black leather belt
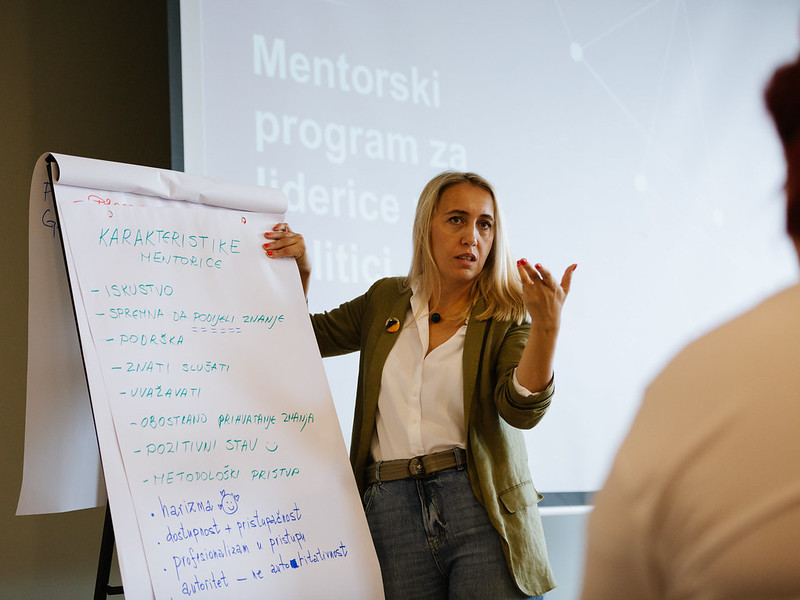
x=418 y=467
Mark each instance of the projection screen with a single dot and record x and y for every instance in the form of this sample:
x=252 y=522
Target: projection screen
x=626 y=136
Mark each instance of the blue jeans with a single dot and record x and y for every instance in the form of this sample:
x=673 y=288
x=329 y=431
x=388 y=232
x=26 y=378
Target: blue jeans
x=435 y=542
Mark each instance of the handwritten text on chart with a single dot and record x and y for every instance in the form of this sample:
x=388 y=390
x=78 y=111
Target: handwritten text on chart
x=221 y=531
x=226 y=437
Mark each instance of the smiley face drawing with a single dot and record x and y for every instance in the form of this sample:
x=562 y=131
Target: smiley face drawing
x=230 y=502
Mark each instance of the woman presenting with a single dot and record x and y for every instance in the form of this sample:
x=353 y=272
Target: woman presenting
x=450 y=371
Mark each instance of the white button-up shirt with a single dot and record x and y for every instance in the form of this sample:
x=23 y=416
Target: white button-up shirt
x=421 y=399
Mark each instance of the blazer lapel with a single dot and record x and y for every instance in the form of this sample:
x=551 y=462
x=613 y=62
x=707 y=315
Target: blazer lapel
x=383 y=345
x=473 y=351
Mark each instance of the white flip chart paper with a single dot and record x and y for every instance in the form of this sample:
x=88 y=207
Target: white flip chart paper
x=225 y=466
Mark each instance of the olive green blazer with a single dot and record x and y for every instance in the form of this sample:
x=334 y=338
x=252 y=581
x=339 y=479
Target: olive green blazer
x=494 y=413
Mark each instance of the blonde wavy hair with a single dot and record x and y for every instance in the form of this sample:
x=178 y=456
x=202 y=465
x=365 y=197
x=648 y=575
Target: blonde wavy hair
x=498 y=282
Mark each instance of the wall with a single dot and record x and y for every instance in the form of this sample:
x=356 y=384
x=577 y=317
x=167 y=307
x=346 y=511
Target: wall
x=87 y=78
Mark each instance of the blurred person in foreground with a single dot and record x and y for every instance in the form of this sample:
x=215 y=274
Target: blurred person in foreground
x=703 y=499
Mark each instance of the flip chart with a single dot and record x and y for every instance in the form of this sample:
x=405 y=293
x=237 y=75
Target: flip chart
x=223 y=457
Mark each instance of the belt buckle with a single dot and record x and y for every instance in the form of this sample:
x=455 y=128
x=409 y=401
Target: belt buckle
x=416 y=469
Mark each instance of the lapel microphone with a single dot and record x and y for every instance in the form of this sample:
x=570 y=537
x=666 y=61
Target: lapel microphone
x=436 y=317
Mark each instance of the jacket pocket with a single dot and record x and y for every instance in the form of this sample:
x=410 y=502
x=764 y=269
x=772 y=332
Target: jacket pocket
x=519 y=496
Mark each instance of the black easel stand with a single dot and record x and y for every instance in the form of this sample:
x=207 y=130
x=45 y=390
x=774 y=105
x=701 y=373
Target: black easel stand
x=101 y=588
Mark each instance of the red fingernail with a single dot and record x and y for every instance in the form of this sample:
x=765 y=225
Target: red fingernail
x=266 y=246
x=522 y=261
x=269 y=253
x=538 y=265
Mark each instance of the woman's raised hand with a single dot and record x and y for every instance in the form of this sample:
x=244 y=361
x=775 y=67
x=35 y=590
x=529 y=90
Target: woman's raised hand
x=543 y=296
